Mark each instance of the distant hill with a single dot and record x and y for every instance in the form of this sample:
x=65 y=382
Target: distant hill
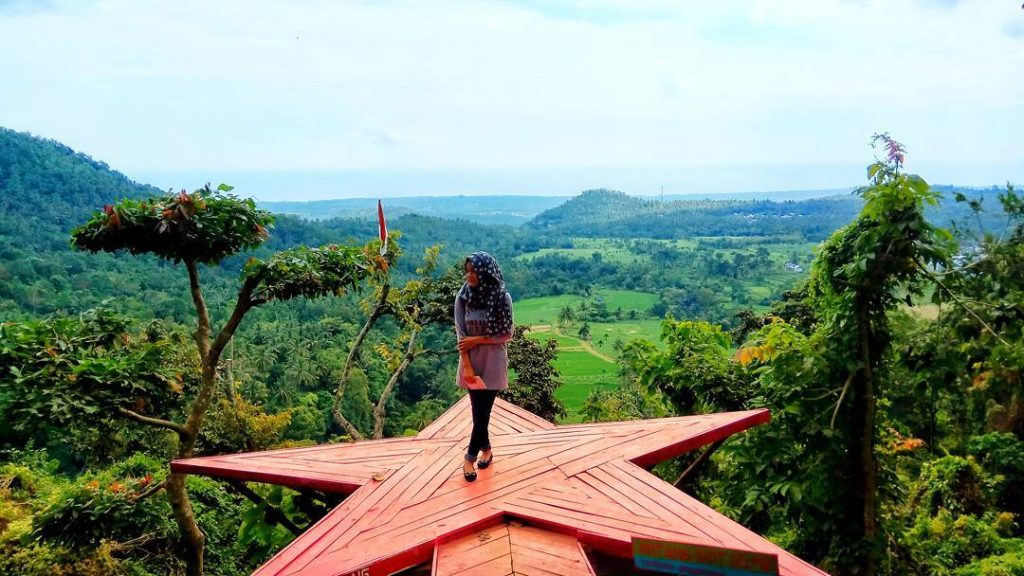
x=609 y=213
x=46 y=189
x=776 y=195
x=597 y=213
x=46 y=186
x=510 y=210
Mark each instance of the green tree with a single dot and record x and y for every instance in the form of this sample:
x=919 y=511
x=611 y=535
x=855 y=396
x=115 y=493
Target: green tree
x=421 y=301
x=862 y=272
x=566 y=315
x=536 y=379
x=584 y=332
x=205 y=227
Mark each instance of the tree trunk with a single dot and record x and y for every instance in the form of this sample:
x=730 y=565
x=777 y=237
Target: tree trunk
x=865 y=406
x=378 y=410
x=191 y=536
x=353 y=352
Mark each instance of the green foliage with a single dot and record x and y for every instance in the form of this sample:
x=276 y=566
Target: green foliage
x=949 y=389
x=946 y=541
x=1002 y=456
x=205 y=226
x=631 y=401
x=314 y=272
x=694 y=369
x=1009 y=564
x=91 y=510
x=240 y=426
x=951 y=483
x=65 y=368
x=259 y=532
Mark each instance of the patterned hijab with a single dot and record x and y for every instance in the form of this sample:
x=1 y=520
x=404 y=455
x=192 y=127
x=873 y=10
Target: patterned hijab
x=488 y=294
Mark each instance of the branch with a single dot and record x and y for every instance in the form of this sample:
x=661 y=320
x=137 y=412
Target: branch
x=697 y=464
x=437 y=352
x=151 y=421
x=378 y=410
x=206 y=390
x=137 y=542
x=151 y=490
x=202 y=335
x=243 y=304
x=339 y=394
x=842 y=395
x=959 y=301
x=274 y=513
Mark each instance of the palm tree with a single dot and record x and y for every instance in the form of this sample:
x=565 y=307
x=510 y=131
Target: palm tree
x=566 y=315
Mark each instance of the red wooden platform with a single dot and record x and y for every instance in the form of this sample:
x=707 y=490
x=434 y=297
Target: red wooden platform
x=559 y=486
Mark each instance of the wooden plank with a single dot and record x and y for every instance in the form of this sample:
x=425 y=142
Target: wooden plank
x=349 y=514
x=594 y=508
x=602 y=517
x=712 y=431
x=571 y=484
x=474 y=557
x=454 y=412
x=529 y=420
x=672 y=499
x=594 y=479
x=628 y=484
x=436 y=510
x=501 y=566
x=471 y=550
x=496 y=427
x=447 y=467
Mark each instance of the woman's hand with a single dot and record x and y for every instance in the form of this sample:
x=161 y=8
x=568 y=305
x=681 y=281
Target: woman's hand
x=469 y=342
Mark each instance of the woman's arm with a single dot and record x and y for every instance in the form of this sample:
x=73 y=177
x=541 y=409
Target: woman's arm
x=468 y=342
x=460 y=319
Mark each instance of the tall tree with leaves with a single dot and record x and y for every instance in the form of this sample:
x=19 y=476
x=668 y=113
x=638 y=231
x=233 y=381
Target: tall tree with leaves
x=862 y=272
x=422 y=301
x=205 y=227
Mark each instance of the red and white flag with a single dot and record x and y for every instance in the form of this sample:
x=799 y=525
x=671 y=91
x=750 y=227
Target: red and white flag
x=382 y=228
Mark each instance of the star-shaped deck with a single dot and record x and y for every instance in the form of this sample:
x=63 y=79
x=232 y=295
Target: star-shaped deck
x=550 y=491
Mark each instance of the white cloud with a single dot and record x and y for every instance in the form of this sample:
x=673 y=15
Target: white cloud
x=319 y=85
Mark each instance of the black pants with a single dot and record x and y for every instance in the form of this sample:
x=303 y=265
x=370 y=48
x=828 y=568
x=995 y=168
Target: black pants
x=481 y=401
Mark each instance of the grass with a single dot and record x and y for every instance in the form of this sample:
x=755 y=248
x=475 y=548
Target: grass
x=587 y=366
x=584 y=248
x=603 y=335
x=544 y=310
x=582 y=373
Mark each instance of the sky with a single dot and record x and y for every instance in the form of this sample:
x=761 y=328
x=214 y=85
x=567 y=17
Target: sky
x=312 y=99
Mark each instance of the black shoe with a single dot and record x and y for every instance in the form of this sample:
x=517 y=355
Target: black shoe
x=469 y=476
x=481 y=464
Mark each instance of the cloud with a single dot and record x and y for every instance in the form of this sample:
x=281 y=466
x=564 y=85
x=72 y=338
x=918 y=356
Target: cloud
x=459 y=85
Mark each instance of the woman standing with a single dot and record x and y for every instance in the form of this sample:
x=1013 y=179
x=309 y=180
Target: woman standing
x=483 y=323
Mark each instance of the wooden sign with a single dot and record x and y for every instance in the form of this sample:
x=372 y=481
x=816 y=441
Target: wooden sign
x=700 y=560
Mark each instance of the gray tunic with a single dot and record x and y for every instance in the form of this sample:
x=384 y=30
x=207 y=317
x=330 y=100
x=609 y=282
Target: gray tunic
x=490 y=361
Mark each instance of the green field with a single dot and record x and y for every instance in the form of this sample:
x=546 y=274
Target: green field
x=587 y=366
x=582 y=373
x=610 y=250
x=603 y=335
x=544 y=310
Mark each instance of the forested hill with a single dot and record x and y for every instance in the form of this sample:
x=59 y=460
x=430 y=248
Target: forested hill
x=511 y=210
x=609 y=213
x=612 y=213
x=46 y=187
